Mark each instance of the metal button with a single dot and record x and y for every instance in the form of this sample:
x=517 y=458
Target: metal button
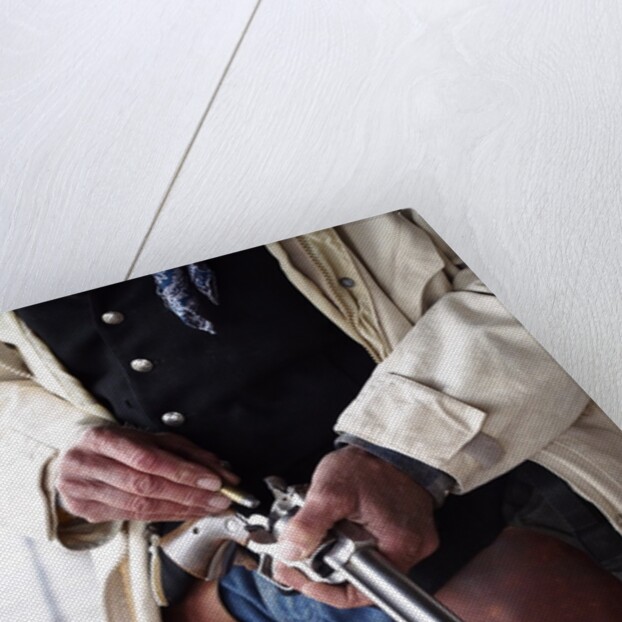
x=346 y=281
x=112 y=317
x=173 y=419
x=141 y=365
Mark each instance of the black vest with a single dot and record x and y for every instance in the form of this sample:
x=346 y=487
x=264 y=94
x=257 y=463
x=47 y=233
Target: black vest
x=263 y=393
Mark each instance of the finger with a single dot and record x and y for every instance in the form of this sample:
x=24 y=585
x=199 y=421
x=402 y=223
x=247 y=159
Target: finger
x=98 y=512
x=136 y=505
x=188 y=450
x=402 y=548
x=147 y=458
x=401 y=537
x=288 y=576
x=342 y=596
x=95 y=471
x=306 y=530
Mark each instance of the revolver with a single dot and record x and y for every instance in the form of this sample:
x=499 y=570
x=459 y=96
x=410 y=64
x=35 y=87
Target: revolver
x=208 y=547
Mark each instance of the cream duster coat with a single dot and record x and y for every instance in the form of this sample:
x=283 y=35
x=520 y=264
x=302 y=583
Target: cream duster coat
x=460 y=385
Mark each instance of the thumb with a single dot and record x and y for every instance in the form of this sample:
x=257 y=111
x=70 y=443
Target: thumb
x=307 y=528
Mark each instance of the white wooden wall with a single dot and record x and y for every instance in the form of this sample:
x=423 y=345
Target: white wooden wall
x=99 y=102
x=137 y=136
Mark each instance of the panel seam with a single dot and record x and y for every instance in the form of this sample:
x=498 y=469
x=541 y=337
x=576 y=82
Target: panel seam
x=195 y=135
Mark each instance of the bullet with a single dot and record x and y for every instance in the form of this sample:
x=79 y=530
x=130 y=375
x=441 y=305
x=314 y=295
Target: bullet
x=239 y=496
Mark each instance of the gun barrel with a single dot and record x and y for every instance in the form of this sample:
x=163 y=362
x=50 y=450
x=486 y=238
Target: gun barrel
x=389 y=589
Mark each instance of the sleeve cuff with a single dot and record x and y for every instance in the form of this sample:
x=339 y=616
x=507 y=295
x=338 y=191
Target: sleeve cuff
x=438 y=483
x=71 y=531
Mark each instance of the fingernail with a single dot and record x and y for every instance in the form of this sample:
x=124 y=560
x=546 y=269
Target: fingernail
x=219 y=502
x=209 y=483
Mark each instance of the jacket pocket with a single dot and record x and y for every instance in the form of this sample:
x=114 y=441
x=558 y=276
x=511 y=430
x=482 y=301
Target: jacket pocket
x=401 y=414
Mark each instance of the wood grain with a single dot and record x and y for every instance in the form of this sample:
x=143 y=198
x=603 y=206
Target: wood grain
x=499 y=121
x=98 y=104
x=308 y=130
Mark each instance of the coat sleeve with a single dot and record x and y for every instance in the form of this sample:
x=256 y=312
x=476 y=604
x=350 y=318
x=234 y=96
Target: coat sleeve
x=36 y=426
x=467 y=390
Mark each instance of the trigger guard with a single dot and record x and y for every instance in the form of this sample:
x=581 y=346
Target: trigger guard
x=265 y=570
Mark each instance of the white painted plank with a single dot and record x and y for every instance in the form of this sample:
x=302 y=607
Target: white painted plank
x=303 y=133
x=98 y=104
x=499 y=121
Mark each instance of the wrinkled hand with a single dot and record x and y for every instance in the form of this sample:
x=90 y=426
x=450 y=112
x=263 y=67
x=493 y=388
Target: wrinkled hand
x=353 y=484
x=116 y=473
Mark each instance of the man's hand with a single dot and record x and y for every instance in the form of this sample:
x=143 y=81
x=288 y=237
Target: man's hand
x=116 y=473
x=352 y=484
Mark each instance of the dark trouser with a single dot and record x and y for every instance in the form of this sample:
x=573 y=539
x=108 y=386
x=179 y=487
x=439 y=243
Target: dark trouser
x=528 y=496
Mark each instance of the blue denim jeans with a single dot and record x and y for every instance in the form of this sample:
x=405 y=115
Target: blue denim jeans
x=251 y=598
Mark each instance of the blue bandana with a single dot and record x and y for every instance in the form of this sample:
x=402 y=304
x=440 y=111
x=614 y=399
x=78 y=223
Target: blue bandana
x=180 y=288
